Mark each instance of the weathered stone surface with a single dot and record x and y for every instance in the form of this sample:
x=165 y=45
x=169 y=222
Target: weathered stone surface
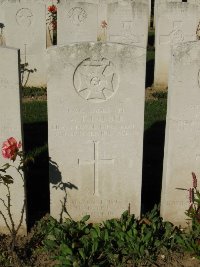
x=96 y=114
x=113 y=21
x=25 y=28
x=10 y=126
x=175 y=23
x=182 y=141
x=77 y=21
x=128 y=22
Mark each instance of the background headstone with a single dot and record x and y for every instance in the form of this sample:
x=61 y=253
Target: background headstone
x=175 y=23
x=77 y=21
x=25 y=28
x=113 y=21
x=128 y=22
x=95 y=128
x=2 y=23
x=157 y=2
x=10 y=126
x=182 y=141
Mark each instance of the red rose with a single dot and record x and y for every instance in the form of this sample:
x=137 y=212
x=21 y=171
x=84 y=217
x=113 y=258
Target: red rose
x=52 y=9
x=10 y=148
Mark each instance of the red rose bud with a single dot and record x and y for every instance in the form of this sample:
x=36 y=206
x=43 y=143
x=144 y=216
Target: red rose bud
x=191 y=195
x=104 y=24
x=194 y=180
x=52 y=9
x=198 y=214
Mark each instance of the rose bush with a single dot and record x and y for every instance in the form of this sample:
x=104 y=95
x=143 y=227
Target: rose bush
x=11 y=150
x=53 y=16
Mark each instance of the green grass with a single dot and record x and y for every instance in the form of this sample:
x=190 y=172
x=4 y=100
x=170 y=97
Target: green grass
x=155 y=111
x=150 y=55
x=34 y=111
x=33 y=91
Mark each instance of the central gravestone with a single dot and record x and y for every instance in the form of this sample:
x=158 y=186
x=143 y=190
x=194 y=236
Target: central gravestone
x=96 y=117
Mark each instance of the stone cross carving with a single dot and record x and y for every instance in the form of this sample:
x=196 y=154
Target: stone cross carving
x=175 y=36
x=127 y=33
x=95 y=161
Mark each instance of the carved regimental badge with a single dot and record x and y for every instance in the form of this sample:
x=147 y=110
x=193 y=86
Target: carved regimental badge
x=24 y=17
x=77 y=15
x=96 y=80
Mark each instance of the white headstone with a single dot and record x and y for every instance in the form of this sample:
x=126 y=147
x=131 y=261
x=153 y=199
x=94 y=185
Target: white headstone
x=95 y=130
x=157 y=2
x=128 y=22
x=123 y=21
x=182 y=141
x=2 y=24
x=175 y=23
x=77 y=21
x=10 y=126
x=25 y=28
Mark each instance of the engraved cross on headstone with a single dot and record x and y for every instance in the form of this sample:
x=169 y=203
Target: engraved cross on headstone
x=167 y=38
x=96 y=162
x=127 y=33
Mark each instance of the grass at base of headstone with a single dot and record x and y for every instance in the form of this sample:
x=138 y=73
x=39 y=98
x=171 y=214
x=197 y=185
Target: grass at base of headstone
x=155 y=111
x=35 y=126
x=127 y=241
x=34 y=91
x=153 y=149
x=34 y=111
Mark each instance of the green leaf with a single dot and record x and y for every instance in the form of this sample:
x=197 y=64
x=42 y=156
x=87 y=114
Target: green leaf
x=6 y=166
x=51 y=237
x=81 y=252
x=106 y=236
x=7 y=179
x=147 y=237
x=65 y=250
x=94 y=246
x=85 y=218
x=50 y=244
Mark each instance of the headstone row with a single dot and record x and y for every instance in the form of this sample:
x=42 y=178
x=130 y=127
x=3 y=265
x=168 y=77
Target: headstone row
x=96 y=115
x=25 y=28
x=113 y=21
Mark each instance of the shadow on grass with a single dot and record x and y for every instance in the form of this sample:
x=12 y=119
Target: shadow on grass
x=37 y=175
x=149 y=72
x=152 y=165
